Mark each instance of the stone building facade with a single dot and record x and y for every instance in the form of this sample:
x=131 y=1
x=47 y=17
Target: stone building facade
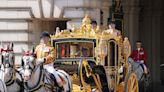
x=22 y=21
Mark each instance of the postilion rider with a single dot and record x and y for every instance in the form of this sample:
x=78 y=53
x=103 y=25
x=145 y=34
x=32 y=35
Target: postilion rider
x=45 y=54
x=139 y=55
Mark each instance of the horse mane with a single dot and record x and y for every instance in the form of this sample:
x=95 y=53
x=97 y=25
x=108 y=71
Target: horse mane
x=22 y=62
x=2 y=59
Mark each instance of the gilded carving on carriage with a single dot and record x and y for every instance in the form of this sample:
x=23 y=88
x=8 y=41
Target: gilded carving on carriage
x=106 y=69
x=87 y=60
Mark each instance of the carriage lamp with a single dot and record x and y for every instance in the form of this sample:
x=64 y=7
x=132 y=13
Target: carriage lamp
x=102 y=51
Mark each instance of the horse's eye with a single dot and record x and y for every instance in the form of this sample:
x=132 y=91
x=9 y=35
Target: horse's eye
x=6 y=65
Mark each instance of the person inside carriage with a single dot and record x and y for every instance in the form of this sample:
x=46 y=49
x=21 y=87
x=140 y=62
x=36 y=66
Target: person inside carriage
x=139 y=55
x=112 y=29
x=45 y=54
x=94 y=24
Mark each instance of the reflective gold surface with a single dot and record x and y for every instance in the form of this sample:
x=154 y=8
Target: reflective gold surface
x=102 y=39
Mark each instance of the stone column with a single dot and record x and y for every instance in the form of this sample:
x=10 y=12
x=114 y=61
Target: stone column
x=131 y=20
x=150 y=27
x=155 y=61
x=105 y=8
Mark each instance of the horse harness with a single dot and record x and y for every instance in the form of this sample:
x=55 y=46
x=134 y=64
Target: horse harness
x=40 y=83
x=11 y=81
x=14 y=79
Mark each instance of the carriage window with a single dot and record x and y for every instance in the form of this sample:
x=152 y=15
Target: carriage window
x=75 y=49
x=112 y=59
x=112 y=53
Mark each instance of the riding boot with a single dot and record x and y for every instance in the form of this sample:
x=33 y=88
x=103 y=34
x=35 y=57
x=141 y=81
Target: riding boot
x=51 y=70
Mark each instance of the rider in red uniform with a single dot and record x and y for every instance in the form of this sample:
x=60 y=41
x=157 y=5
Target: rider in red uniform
x=139 y=55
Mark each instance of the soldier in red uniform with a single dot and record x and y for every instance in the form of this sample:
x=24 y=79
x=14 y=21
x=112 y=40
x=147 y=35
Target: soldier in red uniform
x=139 y=55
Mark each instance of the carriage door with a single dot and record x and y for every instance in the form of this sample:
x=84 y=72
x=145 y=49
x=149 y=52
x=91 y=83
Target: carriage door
x=112 y=54
x=111 y=63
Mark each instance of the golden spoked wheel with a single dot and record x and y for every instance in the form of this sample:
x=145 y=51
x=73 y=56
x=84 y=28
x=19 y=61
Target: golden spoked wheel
x=131 y=83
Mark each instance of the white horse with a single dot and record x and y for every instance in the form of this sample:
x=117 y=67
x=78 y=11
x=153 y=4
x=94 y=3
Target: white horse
x=143 y=79
x=2 y=86
x=8 y=72
x=137 y=68
x=37 y=79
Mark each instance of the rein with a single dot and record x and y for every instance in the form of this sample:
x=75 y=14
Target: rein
x=12 y=80
x=37 y=86
x=40 y=82
x=13 y=76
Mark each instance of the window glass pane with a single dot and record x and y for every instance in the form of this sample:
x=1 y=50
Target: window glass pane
x=75 y=49
x=112 y=53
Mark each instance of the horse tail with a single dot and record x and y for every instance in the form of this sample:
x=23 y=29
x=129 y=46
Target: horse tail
x=68 y=85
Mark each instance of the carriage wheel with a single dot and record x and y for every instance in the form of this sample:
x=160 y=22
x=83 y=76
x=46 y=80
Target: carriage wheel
x=131 y=83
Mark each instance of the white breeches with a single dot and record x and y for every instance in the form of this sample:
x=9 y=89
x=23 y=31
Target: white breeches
x=50 y=69
x=144 y=66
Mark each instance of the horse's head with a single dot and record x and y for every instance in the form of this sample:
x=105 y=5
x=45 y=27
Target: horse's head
x=7 y=62
x=28 y=63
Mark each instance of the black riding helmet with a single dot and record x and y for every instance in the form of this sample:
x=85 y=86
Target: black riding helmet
x=45 y=34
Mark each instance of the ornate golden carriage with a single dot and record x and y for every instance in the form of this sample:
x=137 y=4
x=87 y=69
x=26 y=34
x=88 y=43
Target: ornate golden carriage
x=95 y=59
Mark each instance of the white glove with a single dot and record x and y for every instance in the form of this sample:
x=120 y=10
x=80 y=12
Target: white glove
x=120 y=70
x=142 y=61
x=40 y=60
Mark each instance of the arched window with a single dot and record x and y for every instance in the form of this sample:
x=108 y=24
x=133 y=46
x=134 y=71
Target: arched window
x=112 y=58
